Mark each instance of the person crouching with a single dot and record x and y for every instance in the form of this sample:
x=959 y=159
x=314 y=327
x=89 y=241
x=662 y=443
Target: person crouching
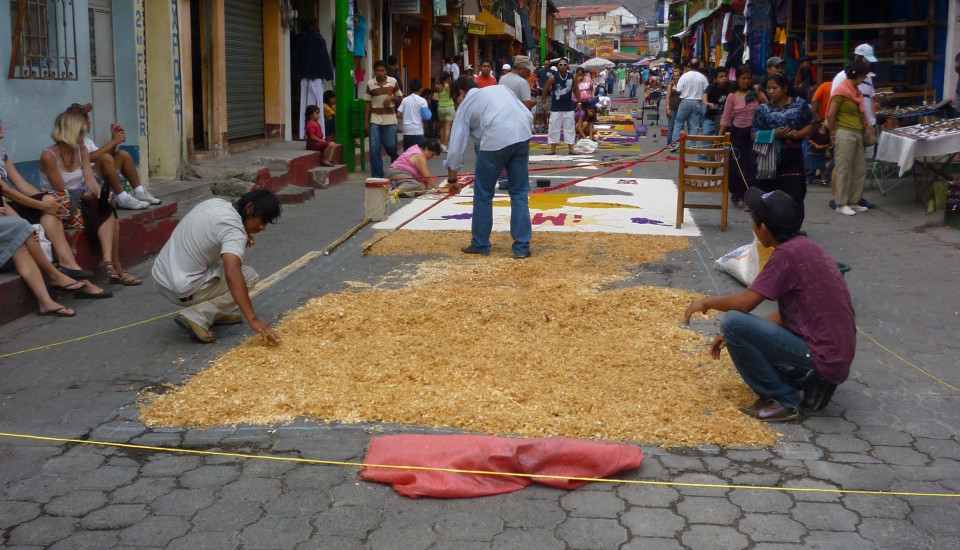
x=810 y=341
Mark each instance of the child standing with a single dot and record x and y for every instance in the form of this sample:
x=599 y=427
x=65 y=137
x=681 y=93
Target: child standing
x=330 y=114
x=315 y=141
x=818 y=142
x=414 y=109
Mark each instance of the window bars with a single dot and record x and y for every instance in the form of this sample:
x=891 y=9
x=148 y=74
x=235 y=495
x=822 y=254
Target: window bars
x=44 y=40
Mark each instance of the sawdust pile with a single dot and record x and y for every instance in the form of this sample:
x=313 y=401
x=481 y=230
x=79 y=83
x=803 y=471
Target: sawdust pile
x=492 y=345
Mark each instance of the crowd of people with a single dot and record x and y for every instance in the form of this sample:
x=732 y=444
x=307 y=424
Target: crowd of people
x=786 y=134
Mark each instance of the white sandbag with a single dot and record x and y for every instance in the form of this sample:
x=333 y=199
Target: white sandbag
x=585 y=147
x=742 y=263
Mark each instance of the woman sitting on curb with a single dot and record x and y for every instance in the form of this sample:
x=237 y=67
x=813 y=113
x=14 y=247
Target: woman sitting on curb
x=18 y=242
x=65 y=170
x=45 y=210
x=810 y=341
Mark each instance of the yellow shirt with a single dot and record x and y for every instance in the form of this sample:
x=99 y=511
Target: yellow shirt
x=377 y=95
x=848 y=117
x=328 y=111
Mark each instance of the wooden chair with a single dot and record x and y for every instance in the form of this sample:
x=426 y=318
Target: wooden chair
x=716 y=147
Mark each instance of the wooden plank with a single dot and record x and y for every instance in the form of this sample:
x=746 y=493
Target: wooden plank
x=15 y=51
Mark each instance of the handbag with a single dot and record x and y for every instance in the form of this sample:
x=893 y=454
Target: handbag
x=765 y=148
x=869 y=137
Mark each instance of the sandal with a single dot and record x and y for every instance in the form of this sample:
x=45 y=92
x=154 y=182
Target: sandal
x=110 y=271
x=62 y=312
x=126 y=279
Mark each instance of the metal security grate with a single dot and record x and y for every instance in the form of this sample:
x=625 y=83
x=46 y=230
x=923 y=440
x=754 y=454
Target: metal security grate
x=44 y=40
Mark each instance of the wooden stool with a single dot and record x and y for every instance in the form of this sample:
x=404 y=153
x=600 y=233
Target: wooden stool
x=717 y=182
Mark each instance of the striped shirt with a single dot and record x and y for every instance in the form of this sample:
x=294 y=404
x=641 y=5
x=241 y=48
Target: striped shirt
x=377 y=95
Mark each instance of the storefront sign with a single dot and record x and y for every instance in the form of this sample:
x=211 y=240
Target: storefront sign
x=439 y=8
x=477 y=28
x=404 y=6
x=518 y=26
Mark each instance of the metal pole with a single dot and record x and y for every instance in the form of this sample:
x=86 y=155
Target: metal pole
x=543 y=30
x=344 y=86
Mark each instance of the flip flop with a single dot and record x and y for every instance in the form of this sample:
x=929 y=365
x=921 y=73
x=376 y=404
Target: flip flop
x=57 y=312
x=73 y=284
x=76 y=273
x=82 y=294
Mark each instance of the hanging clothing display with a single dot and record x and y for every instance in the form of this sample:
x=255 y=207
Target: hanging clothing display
x=359 y=36
x=312 y=60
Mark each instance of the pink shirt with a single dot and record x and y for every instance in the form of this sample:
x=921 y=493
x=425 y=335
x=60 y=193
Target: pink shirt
x=403 y=162
x=738 y=111
x=313 y=129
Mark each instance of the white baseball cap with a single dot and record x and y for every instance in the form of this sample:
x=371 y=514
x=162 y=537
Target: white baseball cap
x=506 y=66
x=866 y=50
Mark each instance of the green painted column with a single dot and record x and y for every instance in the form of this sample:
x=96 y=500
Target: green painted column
x=344 y=86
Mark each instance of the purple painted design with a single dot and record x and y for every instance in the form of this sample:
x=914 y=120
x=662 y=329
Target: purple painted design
x=465 y=216
x=646 y=221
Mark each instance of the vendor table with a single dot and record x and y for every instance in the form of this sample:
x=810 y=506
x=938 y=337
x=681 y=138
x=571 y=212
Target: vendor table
x=904 y=151
x=932 y=155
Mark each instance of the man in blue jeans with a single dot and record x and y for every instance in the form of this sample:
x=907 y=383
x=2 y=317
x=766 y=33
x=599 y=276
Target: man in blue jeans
x=810 y=341
x=496 y=118
x=383 y=96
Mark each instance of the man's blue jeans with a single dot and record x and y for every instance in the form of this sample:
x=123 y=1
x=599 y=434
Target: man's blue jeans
x=671 y=119
x=773 y=361
x=690 y=111
x=384 y=136
x=633 y=90
x=515 y=160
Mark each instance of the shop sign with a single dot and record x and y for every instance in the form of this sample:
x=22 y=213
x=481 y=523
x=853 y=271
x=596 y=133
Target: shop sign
x=518 y=26
x=439 y=8
x=404 y=6
x=477 y=28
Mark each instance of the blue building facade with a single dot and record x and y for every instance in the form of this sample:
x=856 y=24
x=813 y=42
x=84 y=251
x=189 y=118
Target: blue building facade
x=69 y=52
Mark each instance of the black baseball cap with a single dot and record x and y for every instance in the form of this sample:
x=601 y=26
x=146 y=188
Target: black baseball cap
x=775 y=209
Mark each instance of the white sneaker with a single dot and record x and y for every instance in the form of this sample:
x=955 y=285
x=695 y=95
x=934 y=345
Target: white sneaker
x=443 y=148
x=845 y=210
x=858 y=208
x=144 y=195
x=131 y=203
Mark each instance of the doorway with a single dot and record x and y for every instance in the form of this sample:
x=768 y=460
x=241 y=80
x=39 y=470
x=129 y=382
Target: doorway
x=102 y=72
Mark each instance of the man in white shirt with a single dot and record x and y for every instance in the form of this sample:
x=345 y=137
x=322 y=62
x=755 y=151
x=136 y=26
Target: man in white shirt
x=452 y=68
x=863 y=52
x=690 y=86
x=202 y=264
x=414 y=110
x=501 y=123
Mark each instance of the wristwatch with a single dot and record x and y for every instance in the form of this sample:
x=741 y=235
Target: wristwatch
x=452 y=180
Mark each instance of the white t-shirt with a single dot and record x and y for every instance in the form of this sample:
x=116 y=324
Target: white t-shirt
x=453 y=69
x=192 y=255
x=88 y=142
x=865 y=87
x=692 y=85
x=412 y=119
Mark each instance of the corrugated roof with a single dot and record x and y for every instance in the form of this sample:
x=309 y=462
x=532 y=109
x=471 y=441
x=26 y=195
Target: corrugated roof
x=567 y=12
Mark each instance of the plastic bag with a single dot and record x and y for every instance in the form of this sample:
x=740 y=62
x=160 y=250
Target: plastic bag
x=585 y=147
x=44 y=242
x=745 y=263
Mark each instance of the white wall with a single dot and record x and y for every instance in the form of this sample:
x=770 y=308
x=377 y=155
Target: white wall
x=953 y=47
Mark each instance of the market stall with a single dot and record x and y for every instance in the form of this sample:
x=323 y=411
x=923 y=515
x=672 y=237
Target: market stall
x=923 y=143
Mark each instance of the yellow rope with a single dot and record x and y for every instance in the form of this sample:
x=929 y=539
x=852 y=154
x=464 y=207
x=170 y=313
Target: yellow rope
x=477 y=472
x=891 y=352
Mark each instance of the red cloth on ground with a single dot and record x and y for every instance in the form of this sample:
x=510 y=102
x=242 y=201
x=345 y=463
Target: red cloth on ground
x=313 y=129
x=556 y=456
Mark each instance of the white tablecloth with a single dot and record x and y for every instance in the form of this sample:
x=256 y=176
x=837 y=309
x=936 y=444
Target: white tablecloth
x=904 y=151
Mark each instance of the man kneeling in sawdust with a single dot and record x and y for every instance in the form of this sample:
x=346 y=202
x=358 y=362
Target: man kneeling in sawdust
x=202 y=264
x=810 y=341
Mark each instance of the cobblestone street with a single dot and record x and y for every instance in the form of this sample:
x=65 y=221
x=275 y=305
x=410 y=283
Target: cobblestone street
x=891 y=427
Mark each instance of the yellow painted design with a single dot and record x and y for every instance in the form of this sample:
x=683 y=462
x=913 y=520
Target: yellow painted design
x=556 y=201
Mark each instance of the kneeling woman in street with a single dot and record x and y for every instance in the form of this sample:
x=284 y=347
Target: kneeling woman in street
x=409 y=172
x=810 y=341
x=65 y=170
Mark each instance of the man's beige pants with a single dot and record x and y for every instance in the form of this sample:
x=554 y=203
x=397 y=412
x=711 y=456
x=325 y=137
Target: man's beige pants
x=216 y=291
